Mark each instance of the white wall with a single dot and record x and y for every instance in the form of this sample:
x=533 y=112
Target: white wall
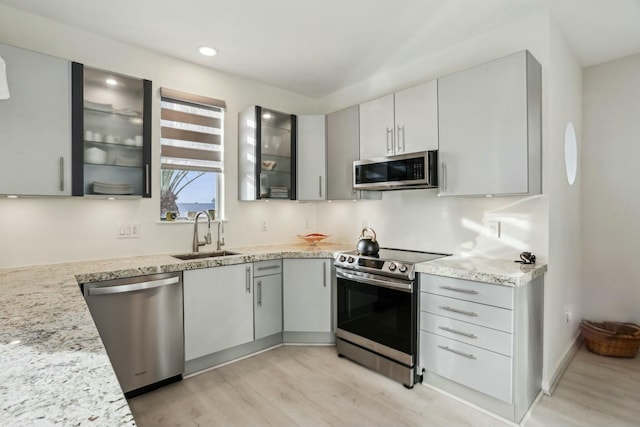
x=49 y=230
x=611 y=205
x=563 y=284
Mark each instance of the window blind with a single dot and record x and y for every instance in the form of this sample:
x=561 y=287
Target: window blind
x=191 y=133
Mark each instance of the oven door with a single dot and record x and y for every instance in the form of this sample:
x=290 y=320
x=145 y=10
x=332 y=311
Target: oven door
x=378 y=313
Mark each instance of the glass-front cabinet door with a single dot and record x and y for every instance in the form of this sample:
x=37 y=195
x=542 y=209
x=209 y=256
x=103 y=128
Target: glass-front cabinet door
x=267 y=147
x=111 y=134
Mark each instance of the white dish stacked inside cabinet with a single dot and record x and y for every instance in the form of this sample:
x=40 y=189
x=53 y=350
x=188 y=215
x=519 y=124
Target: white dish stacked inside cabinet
x=482 y=341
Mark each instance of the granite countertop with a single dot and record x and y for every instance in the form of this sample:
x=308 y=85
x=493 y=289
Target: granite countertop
x=490 y=270
x=53 y=366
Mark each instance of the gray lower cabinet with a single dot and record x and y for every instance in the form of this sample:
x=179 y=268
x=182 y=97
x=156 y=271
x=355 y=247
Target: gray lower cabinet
x=267 y=293
x=35 y=125
x=483 y=342
x=307 y=300
x=218 y=309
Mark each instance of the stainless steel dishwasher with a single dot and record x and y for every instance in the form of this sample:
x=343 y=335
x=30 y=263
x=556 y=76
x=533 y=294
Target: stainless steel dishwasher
x=140 y=320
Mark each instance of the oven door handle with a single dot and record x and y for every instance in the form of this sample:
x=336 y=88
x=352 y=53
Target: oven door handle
x=399 y=286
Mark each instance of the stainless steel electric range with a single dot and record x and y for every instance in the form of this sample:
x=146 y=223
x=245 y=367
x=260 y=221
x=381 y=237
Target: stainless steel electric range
x=377 y=298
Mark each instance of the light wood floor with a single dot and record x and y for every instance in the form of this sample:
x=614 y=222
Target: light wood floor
x=311 y=386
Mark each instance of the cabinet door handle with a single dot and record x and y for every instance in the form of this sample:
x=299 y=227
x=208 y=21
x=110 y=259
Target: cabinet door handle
x=324 y=274
x=455 y=331
x=390 y=139
x=61 y=167
x=401 y=147
x=455 y=310
x=269 y=267
x=320 y=186
x=248 y=280
x=444 y=177
x=260 y=292
x=467 y=355
x=147 y=179
x=465 y=291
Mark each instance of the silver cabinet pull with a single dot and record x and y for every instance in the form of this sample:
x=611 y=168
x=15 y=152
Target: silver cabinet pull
x=455 y=331
x=324 y=274
x=455 y=310
x=320 y=186
x=61 y=167
x=260 y=292
x=147 y=178
x=390 y=146
x=401 y=148
x=269 y=267
x=467 y=355
x=466 y=291
x=444 y=177
x=248 y=280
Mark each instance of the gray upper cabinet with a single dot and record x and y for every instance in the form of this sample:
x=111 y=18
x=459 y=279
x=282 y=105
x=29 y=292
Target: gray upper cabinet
x=490 y=128
x=35 y=125
x=111 y=133
x=312 y=158
x=343 y=148
x=266 y=154
x=401 y=122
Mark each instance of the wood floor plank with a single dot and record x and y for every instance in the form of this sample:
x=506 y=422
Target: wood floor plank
x=299 y=386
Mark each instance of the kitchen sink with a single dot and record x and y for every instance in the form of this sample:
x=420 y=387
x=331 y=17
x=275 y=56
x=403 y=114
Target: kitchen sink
x=202 y=255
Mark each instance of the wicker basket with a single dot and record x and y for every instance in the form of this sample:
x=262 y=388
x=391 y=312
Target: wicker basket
x=611 y=338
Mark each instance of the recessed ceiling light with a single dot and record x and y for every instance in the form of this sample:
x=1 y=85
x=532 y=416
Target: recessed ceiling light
x=112 y=82
x=207 y=51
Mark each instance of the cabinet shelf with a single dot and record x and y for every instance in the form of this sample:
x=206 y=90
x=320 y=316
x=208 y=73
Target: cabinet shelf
x=112 y=166
x=114 y=144
x=125 y=115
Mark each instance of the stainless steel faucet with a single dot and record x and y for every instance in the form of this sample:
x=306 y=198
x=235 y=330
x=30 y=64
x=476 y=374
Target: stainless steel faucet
x=207 y=239
x=220 y=243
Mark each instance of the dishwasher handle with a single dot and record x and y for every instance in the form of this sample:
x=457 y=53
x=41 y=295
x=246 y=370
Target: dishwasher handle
x=140 y=286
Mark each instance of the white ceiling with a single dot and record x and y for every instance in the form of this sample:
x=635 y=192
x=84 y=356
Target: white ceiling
x=317 y=47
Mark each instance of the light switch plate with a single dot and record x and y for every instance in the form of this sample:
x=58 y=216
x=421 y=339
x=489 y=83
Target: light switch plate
x=493 y=228
x=128 y=231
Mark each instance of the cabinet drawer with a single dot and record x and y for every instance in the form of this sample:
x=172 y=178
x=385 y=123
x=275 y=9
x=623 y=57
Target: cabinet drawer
x=479 y=336
x=482 y=370
x=485 y=293
x=265 y=268
x=471 y=312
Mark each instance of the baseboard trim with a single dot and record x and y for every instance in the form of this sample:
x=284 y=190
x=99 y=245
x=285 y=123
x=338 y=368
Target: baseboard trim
x=549 y=386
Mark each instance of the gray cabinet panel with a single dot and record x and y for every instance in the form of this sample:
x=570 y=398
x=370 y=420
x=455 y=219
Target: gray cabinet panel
x=267 y=305
x=489 y=128
x=35 y=125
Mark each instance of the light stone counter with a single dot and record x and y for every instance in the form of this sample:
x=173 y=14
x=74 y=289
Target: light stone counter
x=489 y=270
x=53 y=367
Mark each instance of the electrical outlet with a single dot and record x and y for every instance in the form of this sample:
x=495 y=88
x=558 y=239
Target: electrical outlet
x=128 y=231
x=567 y=316
x=493 y=228
x=263 y=226
x=365 y=223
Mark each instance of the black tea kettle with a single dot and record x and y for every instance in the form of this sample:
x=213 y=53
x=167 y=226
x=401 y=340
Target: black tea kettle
x=367 y=245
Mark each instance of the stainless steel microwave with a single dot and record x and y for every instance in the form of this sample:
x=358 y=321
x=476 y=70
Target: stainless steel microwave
x=404 y=171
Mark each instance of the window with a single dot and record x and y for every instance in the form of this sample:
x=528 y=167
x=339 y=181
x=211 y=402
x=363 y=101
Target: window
x=191 y=156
